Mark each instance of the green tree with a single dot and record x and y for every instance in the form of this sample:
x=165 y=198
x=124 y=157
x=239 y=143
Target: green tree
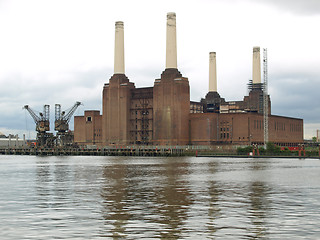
x=272 y=148
x=244 y=150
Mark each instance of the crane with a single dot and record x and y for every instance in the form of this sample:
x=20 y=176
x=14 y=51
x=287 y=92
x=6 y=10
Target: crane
x=41 y=121
x=61 y=124
x=44 y=139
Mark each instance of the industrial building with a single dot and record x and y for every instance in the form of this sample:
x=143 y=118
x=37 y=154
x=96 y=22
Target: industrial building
x=163 y=114
x=12 y=141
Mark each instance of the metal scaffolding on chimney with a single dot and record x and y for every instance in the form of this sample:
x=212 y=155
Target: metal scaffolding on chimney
x=265 y=98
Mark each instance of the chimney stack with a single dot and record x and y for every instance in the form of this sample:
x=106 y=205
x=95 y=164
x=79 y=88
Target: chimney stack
x=212 y=72
x=256 y=67
x=171 y=51
x=119 y=49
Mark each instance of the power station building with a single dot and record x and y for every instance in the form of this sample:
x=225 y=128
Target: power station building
x=164 y=115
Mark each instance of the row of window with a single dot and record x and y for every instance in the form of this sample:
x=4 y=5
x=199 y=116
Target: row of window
x=295 y=127
x=98 y=134
x=143 y=120
x=144 y=127
x=196 y=108
x=224 y=135
x=228 y=135
x=224 y=130
x=143 y=137
x=279 y=126
x=145 y=103
x=143 y=112
x=258 y=124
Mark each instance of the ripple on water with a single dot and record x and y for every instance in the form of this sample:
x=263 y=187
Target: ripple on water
x=161 y=198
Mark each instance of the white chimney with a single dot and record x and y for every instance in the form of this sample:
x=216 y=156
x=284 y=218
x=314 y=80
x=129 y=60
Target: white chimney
x=212 y=72
x=119 y=49
x=171 y=52
x=256 y=67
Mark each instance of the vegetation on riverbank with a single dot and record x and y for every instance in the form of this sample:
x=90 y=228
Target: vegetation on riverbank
x=273 y=150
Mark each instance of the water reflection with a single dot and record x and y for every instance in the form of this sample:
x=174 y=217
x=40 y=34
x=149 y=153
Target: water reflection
x=259 y=209
x=115 y=195
x=155 y=196
x=173 y=198
x=214 y=191
x=43 y=180
x=259 y=198
x=164 y=199
x=53 y=183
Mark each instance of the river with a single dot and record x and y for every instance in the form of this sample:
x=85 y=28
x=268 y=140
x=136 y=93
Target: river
x=87 y=197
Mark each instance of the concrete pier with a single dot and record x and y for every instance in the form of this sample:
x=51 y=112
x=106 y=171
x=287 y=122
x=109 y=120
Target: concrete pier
x=117 y=151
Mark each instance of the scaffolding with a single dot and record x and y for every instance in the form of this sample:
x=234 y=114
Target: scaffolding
x=257 y=104
x=265 y=98
x=141 y=117
x=145 y=121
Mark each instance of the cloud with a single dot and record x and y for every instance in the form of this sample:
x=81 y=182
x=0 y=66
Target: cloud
x=51 y=88
x=29 y=134
x=310 y=130
x=62 y=51
x=302 y=7
x=296 y=95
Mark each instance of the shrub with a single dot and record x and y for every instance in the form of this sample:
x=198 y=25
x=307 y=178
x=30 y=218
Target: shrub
x=273 y=149
x=244 y=150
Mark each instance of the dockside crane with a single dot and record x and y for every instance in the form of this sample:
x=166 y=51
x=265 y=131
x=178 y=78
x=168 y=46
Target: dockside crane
x=44 y=139
x=61 y=124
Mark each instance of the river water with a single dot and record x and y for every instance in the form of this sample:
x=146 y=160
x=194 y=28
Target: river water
x=158 y=198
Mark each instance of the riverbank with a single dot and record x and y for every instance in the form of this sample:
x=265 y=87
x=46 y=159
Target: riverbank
x=150 y=152
x=167 y=152
x=261 y=156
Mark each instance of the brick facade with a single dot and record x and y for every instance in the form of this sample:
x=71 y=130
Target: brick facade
x=164 y=115
x=88 y=128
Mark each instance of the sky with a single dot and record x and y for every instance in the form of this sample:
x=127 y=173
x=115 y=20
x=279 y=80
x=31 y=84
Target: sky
x=62 y=51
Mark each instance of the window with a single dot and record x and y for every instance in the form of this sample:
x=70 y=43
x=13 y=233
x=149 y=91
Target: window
x=89 y=119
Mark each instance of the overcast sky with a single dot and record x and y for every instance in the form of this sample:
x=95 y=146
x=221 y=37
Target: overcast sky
x=61 y=51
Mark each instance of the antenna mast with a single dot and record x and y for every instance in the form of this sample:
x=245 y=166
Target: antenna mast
x=265 y=98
